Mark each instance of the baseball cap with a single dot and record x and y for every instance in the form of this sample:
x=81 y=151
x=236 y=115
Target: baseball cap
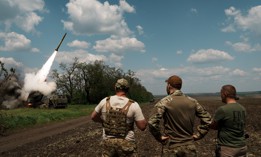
x=122 y=83
x=175 y=81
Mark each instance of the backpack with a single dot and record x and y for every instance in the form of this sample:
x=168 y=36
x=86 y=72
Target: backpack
x=115 y=123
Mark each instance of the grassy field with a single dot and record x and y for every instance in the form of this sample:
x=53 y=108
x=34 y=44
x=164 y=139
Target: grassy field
x=27 y=117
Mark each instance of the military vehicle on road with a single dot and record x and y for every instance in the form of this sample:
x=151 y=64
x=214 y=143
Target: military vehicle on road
x=37 y=100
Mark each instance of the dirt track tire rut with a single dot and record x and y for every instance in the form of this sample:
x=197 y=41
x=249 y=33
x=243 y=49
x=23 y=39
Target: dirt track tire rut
x=30 y=135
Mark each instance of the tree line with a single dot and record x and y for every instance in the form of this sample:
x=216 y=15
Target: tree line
x=88 y=83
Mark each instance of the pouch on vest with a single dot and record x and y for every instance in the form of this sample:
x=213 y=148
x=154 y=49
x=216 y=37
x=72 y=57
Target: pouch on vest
x=115 y=123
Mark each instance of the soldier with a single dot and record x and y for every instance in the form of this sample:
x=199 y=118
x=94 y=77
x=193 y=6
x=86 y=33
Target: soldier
x=178 y=112
x=118 y=114
x=229 y=120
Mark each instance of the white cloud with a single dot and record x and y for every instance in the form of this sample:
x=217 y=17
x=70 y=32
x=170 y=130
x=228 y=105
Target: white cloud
x=232 y=11
x=82 y=55
x=210 y=71
x=126 y=7
x=140 y=30
x=35 y=50
x=250 y=22
x=93 y=17
x=193 y=10
x=207 y=79
x=209 y=55
x=154 y=60
x=238 y=72
x=119 y=45
x=257 y=70
x=22 y=14
x=15 y=42
x=190 y=71
x=244 y=46
x=240 y=46
x=116 y=60
x=229 y=28
x=179 y=52
x=163 y=69
x=28 y=21
x=79 y=44
x=10 y=62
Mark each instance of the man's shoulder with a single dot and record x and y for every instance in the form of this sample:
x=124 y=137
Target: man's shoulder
x=115 y=97
x=222 y=109
x=192 y=99
x=165 y=100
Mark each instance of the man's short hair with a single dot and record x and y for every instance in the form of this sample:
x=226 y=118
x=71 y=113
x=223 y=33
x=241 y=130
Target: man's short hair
x=229 y=91
x=175 y=81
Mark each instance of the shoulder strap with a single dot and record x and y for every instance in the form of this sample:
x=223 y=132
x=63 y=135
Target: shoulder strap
x=125 y=109
x=108 y=105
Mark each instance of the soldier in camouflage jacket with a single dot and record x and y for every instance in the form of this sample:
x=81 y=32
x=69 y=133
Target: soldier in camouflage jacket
x=178 y=112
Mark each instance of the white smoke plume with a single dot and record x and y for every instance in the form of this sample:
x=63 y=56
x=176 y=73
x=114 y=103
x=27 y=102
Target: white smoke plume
x=38 y=81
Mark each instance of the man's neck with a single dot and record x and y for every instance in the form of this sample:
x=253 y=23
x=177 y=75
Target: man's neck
x=123 y=94
x=230 y=101
x=171 y=91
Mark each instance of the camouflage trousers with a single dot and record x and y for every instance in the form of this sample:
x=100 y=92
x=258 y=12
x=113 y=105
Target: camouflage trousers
x=116 y=147
x=179 y=151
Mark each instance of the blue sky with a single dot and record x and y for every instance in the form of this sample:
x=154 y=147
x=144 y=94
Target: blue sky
x=207 y=43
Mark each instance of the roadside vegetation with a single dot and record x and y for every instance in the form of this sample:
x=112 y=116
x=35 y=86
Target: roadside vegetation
x=27 y=117
x=11 y=120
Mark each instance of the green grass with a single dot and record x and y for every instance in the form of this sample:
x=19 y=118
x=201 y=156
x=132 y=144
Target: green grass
x=26 y=117
x=20 y=118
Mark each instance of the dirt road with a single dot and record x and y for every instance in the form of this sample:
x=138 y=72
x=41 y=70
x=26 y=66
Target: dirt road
x=33 y=134
x=81 y=137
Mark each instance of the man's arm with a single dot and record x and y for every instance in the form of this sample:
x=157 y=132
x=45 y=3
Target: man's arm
x=96 y=117
x=205 y=121
x=217 y=119
x=141 y=124
x=97 y=112
x=154 y=122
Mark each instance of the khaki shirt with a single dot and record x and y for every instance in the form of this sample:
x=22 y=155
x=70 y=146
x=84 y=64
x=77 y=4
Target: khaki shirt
x=179 y=112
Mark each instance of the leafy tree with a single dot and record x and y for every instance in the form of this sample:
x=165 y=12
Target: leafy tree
x=66 y=82
x=89 y=83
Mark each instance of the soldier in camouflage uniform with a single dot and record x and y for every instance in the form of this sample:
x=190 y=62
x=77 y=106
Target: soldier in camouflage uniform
x=178 y=112
x=118 y=114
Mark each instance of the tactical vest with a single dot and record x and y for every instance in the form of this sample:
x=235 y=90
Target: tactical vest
x=115 y=123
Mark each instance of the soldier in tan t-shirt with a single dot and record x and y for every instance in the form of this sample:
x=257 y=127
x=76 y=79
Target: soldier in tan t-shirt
x=118 y=135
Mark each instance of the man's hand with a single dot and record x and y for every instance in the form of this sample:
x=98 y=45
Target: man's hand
x=96 y=117
x=196 y=137
x=164 y=139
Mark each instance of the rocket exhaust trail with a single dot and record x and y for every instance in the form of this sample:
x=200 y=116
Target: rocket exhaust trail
x=44 y=71
x=37 y=82
x=47 y=66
